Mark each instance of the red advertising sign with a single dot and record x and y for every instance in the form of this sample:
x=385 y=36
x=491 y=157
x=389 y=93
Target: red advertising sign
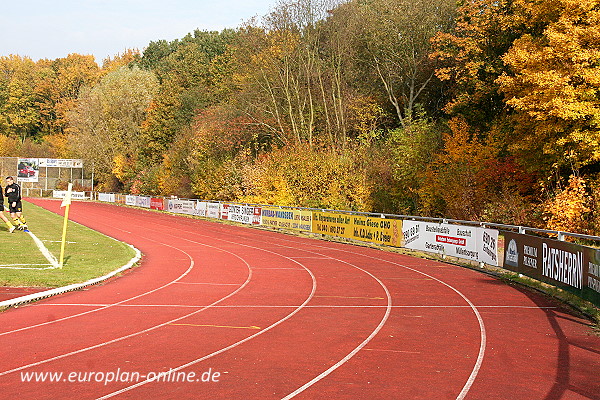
x=157 y=203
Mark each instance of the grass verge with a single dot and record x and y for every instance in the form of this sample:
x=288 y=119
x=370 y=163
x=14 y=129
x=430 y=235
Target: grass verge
x=88 y=254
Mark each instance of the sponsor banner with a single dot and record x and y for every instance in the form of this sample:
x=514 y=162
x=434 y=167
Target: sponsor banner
x=60 y=163
x=377 y=230
x=467 y=242
x=224 y=211
x=157 y=203
x=28 y=170
x=107 y=197
x=591 y=277
x=567 y=265
x=487 y=246
x=201 y=208
x=290 y=219
x=120 y=198
x=364 y=228
x=213 y=210
x=142 y=201
x=182 y=206
x=244 y=214
x=332 y=224
x=60 y=194
x=130 y=200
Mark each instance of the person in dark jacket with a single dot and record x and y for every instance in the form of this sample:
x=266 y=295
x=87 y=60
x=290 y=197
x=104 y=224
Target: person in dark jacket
x=11 y=227
x=13 y=193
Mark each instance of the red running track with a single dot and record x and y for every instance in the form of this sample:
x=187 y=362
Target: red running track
x=228 y=312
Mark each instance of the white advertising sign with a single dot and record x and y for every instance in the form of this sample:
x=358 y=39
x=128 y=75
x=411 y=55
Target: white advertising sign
x=60 y=194
x=60 y=163
x=487 y=242
x=468 y=242
x=201 y=208
x=107 y=197
x=143 y=201
x=213 y=210
x=244 y=214
x=130 y=200
x=182 y=206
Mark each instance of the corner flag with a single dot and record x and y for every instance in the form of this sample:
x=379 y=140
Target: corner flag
x=65 y=203
x=67 y=199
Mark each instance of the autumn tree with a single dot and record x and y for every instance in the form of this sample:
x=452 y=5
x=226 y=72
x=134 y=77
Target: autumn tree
x=394 y=39
x=106 y=125
x=128 y=57
x=58 y=85
x=185 y=69
x=470 y=59
x=300 y=175
x=553 y=82
x=456 y=182
x=19 y=115
x=568 y=210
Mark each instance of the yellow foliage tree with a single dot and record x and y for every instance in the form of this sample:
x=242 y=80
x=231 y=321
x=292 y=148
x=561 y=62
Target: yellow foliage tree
x=554 y=83
x=567 y=211
x=297 y=175
x=8 y=146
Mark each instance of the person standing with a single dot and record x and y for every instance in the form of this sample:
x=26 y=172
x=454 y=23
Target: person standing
x=11 y=227
x=13 y=193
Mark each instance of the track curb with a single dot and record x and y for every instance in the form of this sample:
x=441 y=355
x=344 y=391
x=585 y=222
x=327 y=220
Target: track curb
x=69 y=288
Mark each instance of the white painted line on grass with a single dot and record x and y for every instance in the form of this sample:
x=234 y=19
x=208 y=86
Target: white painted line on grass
x=49 y=256
x=69 y=288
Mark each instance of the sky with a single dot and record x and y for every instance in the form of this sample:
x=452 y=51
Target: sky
x=104 y=28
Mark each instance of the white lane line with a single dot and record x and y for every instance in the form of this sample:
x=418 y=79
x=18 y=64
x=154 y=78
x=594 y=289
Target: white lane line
x=64 y=355
x=103 y=307
x=289 y=306
x=233 y=345
x=341 y=362
x=483 y=335
x=28 y=266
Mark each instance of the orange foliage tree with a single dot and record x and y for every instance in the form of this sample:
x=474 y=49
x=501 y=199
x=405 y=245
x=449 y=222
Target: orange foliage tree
x=469 y=174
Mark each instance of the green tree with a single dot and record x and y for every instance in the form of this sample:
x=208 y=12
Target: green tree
x=394 y=42
x=187 y=73
x=413 y=148
x=106 y=125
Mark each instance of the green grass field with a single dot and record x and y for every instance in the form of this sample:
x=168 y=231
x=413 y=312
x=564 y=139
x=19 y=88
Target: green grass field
x=88 y=254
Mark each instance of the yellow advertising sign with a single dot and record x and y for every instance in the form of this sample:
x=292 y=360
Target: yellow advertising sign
x=358 y=227
x=297 y=220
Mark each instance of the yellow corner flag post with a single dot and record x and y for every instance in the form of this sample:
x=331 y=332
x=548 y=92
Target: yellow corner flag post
x=65 y=203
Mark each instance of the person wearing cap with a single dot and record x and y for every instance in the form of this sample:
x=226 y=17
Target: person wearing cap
x=15 y=207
